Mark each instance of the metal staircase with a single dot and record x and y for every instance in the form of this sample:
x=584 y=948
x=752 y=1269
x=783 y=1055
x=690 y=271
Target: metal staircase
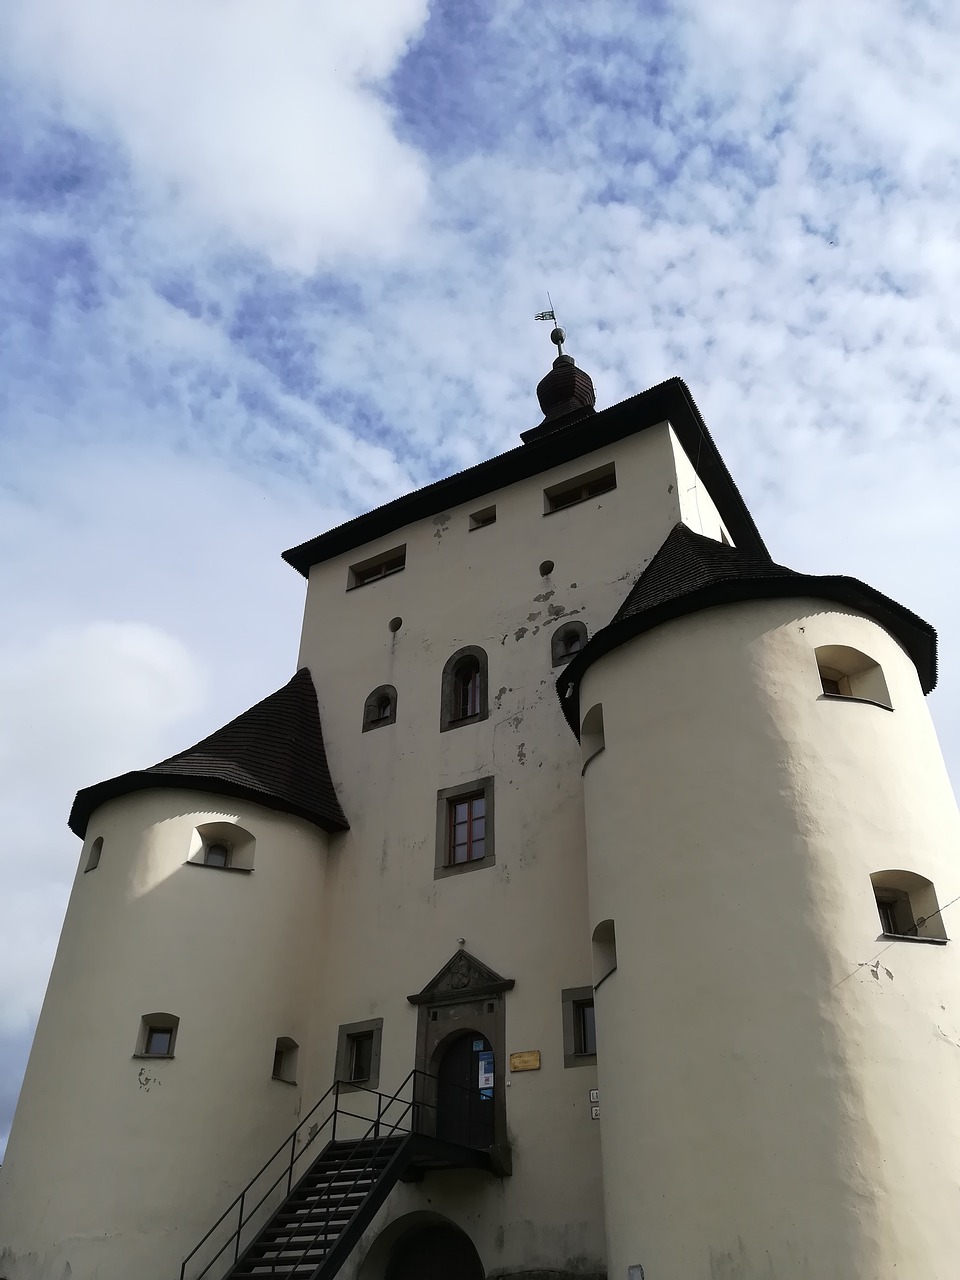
x=299 y=1219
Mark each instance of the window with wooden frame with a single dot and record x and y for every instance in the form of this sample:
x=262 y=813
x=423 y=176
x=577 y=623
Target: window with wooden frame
x=466 y=835
x=463 y=688
x=589 y=485
x=382 y=566
x=464 y=827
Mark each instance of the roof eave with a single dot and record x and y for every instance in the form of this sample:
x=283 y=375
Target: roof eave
x=670 y=401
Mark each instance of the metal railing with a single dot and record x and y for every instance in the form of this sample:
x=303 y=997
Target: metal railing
x=381 y=1127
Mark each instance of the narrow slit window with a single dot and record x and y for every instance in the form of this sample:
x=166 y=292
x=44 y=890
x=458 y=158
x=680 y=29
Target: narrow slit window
x=361 y=1057
x=93 y=858
x=285 y=1060
x=584 y=1027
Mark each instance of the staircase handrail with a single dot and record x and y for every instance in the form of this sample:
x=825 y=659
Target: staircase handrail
x=374 y=1128
x=287 y=1172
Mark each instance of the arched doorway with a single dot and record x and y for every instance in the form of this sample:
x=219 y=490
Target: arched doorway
x=465 y=1087
x=435 y=1253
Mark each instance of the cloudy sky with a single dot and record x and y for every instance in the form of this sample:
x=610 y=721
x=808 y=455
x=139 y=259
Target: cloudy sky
x=267 y=265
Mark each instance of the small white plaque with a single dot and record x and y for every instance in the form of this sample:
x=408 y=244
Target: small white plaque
x=594 y=1113
x=594 y=1095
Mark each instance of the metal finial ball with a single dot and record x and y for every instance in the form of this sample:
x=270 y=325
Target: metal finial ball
x=558 y=336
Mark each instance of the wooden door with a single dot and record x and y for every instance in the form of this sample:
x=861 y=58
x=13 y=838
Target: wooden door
x=464 y=1093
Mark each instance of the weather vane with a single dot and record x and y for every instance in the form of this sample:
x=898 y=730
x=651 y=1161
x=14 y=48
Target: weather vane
x=557 y=335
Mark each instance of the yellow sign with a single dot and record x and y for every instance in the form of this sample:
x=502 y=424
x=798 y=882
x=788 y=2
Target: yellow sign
x=528 y=1060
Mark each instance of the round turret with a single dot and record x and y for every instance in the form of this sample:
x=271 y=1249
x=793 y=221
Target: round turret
x=770 y=836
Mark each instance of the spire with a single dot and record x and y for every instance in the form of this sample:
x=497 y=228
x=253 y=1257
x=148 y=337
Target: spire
x=566 y=394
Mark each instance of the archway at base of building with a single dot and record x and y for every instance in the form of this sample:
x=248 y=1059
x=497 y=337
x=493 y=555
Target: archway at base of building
x=465 y=1076
x=438 y=1252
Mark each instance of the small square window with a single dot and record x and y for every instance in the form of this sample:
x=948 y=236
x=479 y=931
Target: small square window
x=480 y=519
x=159 y=1040
x=158 y=1035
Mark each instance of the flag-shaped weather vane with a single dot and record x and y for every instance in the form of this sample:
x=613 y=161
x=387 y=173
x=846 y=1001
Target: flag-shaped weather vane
x=557 y=335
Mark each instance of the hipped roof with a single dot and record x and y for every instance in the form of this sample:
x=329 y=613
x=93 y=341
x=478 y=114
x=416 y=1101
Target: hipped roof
x=691 y=572
x=272 y=754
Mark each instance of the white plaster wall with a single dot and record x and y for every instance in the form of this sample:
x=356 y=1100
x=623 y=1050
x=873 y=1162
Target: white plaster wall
x=389 y=925
x=116 y=1166
x=698 y=511
x=774 y=1102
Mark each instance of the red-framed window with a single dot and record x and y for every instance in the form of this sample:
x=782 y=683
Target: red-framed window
x=467 y=829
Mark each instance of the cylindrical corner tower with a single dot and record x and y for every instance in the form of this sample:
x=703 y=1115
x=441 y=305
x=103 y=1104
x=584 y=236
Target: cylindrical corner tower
x=770 y=830
x=164 y=1067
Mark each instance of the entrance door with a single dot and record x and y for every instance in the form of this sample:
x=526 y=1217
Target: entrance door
x=465 y=1092
x=436 y=1253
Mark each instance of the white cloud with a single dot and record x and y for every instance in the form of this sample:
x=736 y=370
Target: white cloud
x=261 y=120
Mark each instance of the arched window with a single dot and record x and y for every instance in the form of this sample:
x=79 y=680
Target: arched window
x=566 y=642
x=380 y=707
x=604 y=952
x=93 y=858
x=848 y=673
x=463 y=688
x=591 y=734
x=907 y=905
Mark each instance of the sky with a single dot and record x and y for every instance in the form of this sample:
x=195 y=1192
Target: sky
x=265 y=266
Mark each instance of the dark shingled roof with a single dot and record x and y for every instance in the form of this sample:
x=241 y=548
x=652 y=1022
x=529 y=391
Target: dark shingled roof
x=272 y=754
x=550 y=445
x=691 y=572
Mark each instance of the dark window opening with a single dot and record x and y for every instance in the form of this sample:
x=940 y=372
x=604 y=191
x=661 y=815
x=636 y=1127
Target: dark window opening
x=581 y=489
x=380 y=707
x=466 y=689
x=285 y=1060
x=159 y=1041
x=468 y=828
x=96 y=849
x=584 y=1027
x=480 y=519
x=216 y=855
x=361 y=1057
x=371 y=570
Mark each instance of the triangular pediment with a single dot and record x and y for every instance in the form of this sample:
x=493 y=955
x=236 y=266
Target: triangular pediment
x=463 y=977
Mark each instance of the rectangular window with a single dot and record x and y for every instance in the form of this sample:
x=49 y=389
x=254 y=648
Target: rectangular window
x=465 y=828
x=468 y=829
x=590 y=485
x=159 y=1041
x=379 y=567
x=579 y=1027
x=584 y=1027
x=480 y=519
x=361 y=1057
x=358 y=1054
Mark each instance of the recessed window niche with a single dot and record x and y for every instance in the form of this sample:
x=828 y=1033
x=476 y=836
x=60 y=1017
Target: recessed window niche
x=222 y=846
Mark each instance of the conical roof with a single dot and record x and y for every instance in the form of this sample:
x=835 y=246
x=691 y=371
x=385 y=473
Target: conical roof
x=691 y=572
x=272 y=754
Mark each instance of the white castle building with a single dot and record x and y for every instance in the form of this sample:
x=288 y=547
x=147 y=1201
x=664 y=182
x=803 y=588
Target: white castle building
x=573 y=912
